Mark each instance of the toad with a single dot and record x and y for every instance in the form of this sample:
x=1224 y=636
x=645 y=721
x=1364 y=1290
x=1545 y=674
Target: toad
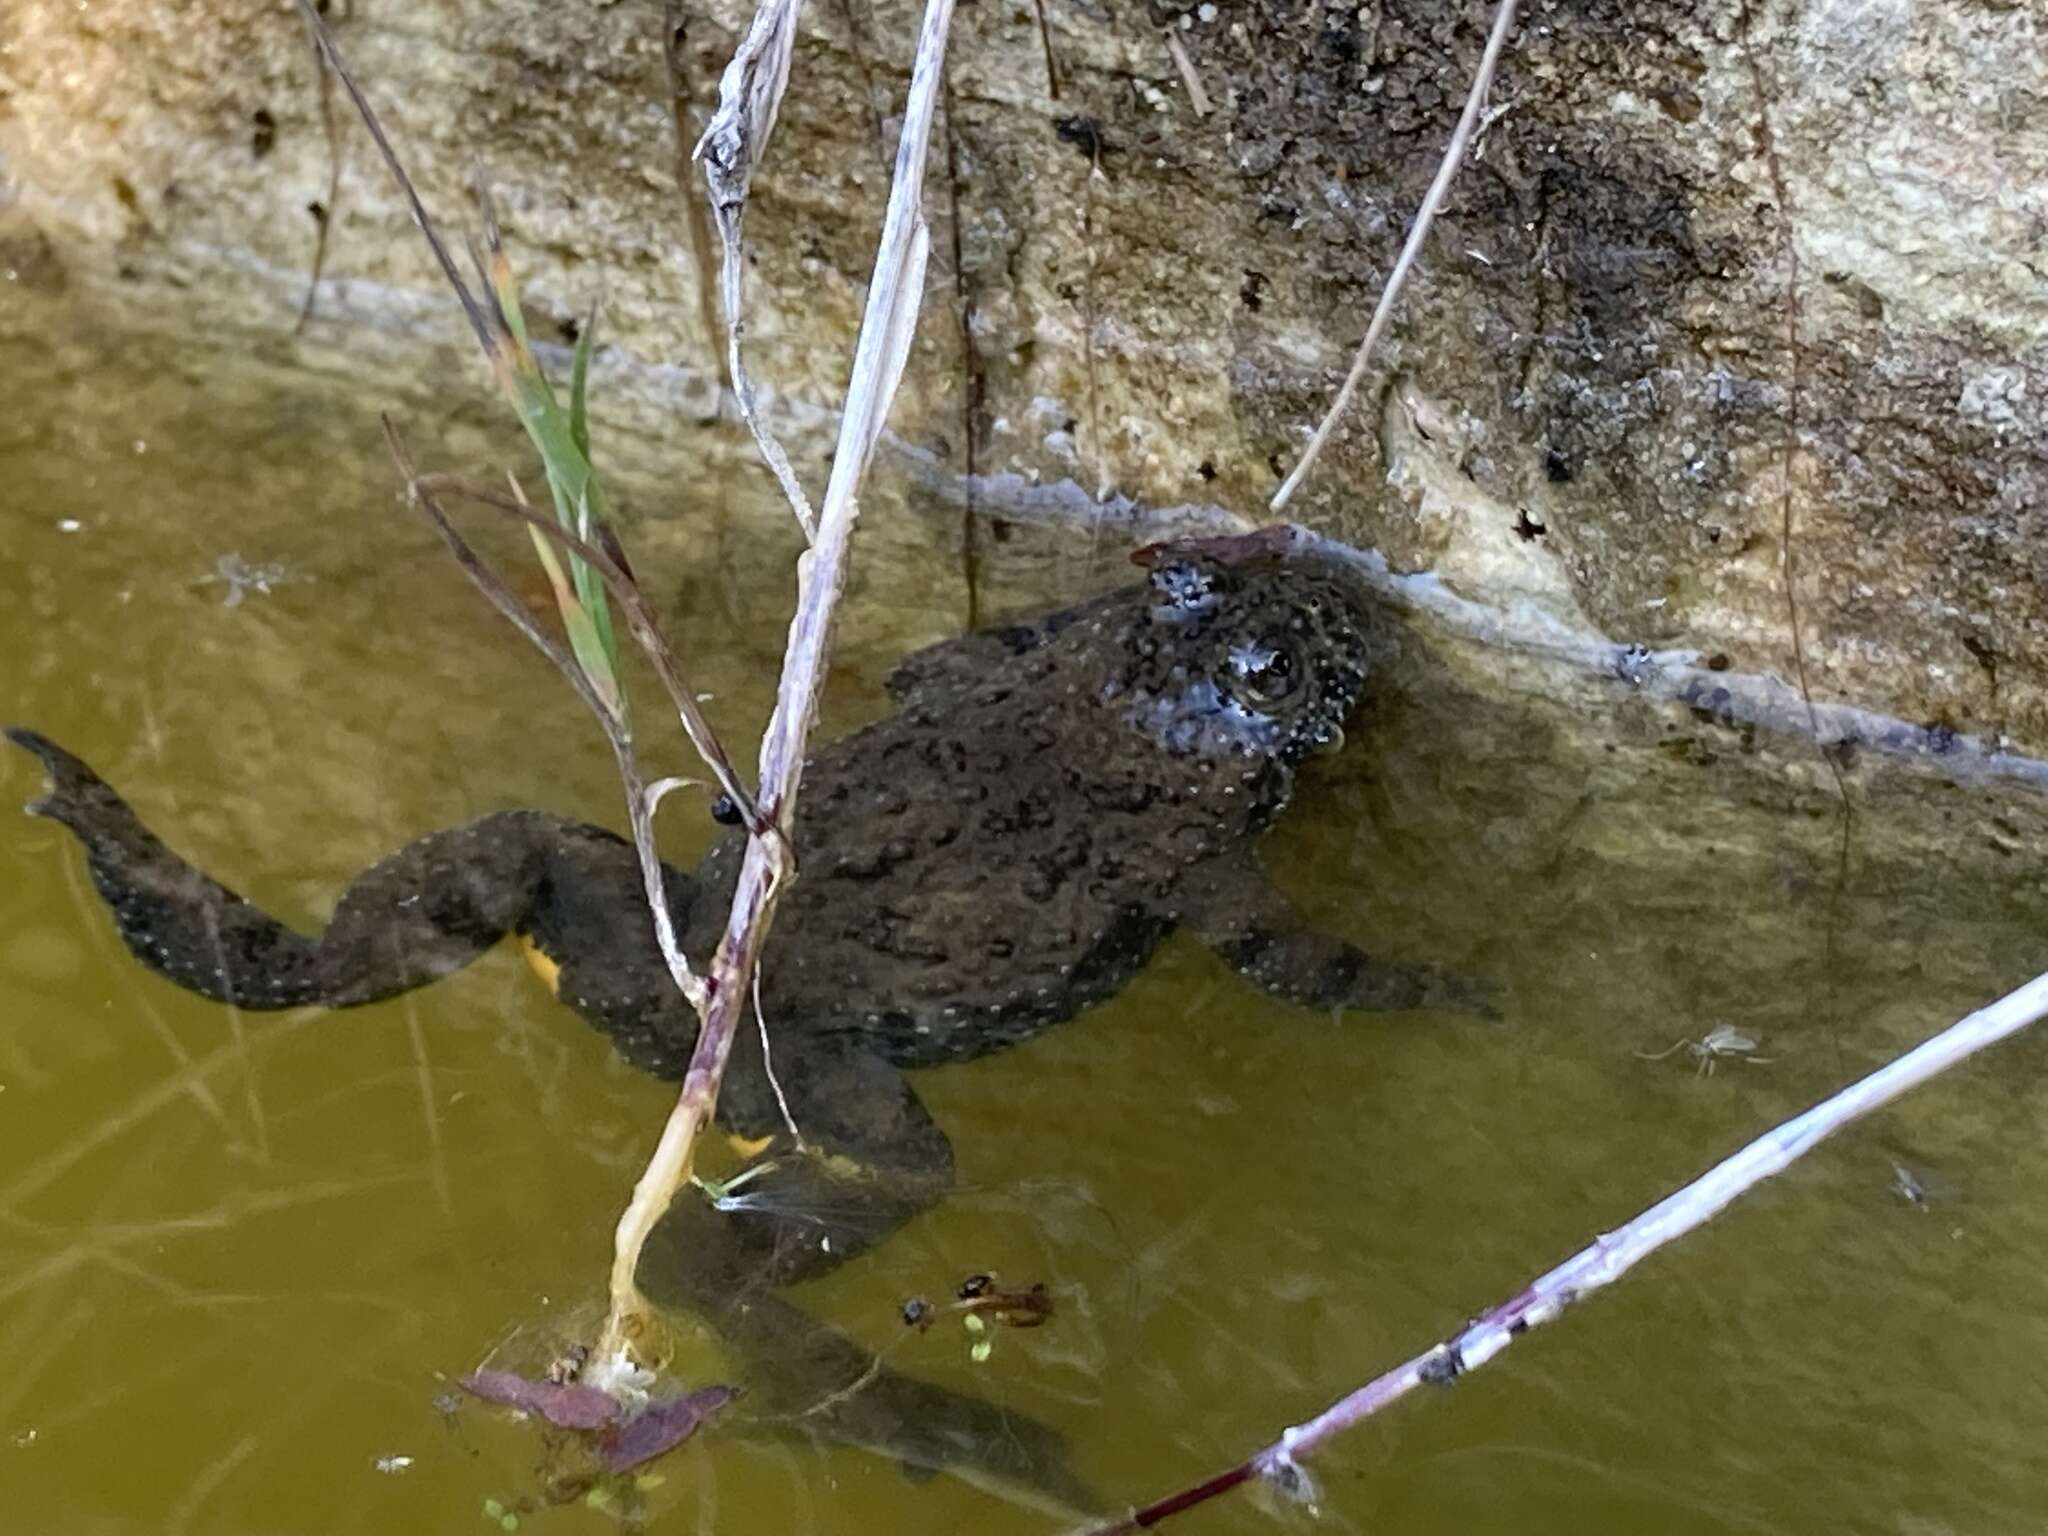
x=1048 y=802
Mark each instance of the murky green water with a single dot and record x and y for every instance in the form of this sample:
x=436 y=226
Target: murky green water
x=240 y=1259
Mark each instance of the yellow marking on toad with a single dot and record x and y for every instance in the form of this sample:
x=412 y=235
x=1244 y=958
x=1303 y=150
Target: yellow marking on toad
x=750 y=1147
x=546 y=968
x=840 y=1166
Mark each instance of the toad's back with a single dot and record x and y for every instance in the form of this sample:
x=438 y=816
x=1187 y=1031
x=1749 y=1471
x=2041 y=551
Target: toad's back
x=1011 y=845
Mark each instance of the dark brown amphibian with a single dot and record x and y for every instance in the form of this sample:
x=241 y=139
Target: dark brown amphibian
x=1047 y=804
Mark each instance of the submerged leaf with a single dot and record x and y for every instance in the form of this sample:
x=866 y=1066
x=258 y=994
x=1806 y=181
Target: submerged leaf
x=560 y=1403
x=662 y=1426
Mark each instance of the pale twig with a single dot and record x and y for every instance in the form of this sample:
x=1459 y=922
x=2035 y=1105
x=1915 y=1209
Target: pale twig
x=206 y=1484
x=238 y=1036
x=895 y=293
x=661 y=789
x=1454 y=155
x=1197 y=97
x=1612 y=1255
x=749 y=96
x=768 y=1066
x=437 y=1154
x=638 y=813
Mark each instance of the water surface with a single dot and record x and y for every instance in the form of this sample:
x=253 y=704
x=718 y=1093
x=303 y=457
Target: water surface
x=242 y=1257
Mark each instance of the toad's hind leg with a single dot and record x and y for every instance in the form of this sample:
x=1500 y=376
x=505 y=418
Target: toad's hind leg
x=429 y=909
x=868 y=1159
x=865 y=1158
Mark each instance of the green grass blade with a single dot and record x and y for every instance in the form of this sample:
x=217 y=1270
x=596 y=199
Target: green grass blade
x=579 y=386
x=563 y=441
x=584 y=639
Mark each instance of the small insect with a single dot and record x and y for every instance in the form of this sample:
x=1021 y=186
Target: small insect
x=1910 y=1187
x=1721 y=1040
x=1633 y=664
x=241 y=578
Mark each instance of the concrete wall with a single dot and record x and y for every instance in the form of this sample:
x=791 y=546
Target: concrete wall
x=1728 y=287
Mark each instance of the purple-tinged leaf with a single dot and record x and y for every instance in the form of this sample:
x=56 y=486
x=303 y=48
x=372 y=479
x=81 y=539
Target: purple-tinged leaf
x=662 y=1426
x=560 y=1403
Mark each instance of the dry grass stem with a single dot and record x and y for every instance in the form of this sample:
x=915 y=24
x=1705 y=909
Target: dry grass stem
x=674 y=20
x=1454 y=156
x=639 y=813
x=324 y=41
x=749 y=96
x=324 y=211
x=639 y=618
x=768 y=1067
x=895 y=293
x=1197 y=97
x=1611 y=1255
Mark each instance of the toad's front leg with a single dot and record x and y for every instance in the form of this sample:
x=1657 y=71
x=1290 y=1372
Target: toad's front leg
x=1232 y=907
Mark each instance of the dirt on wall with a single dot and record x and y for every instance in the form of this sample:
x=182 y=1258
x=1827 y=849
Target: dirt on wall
x=1733 y=334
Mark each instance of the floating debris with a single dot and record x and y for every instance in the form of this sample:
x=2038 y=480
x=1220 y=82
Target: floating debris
x=242 y=578
x=392 y=1466
x=1910 y=1187
x=1017 y=1306
x=569 y=1365
x=562 y=1403
x=662 y=1426
x=984 y=1301
x=625 y=1439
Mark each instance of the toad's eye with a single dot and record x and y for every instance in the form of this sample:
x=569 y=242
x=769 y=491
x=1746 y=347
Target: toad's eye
x=1264 y=670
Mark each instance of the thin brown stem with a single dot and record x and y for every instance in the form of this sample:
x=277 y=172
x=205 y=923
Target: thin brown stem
x=639 y=812
x=639 y=618
x=323 y=212
x=479 y=320
x=1454 y=156
x=695 y=218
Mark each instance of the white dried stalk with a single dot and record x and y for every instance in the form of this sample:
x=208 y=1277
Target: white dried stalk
x=895 y=294
x=1454 y=156
x=1197 y=97
x=1613 y=1254
x=749 y=97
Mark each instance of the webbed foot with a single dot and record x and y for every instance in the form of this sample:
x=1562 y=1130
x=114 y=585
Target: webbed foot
x=806 y=1379
x=77 y=797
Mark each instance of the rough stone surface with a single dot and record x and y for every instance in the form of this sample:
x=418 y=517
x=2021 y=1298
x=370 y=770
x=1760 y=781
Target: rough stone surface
x=1729 y=292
